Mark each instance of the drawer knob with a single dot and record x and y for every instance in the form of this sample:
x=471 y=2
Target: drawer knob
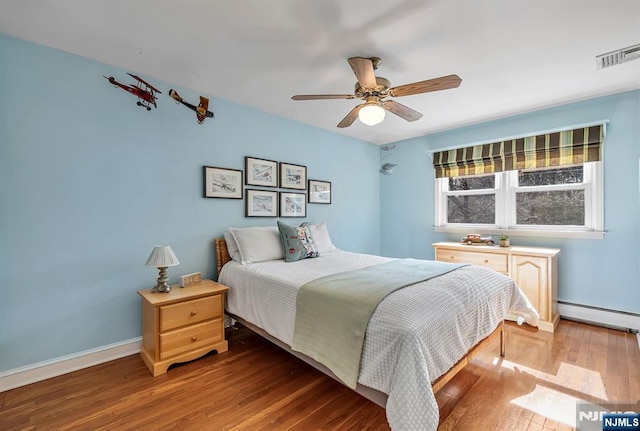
x=486 y=261
x=194 y=312
x=194 y=338
x=451 y=257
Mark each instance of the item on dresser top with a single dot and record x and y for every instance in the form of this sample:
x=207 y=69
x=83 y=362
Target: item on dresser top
x=475 y=239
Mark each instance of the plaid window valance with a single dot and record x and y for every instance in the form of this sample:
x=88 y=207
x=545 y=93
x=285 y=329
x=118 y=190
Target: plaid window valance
x=568 y=147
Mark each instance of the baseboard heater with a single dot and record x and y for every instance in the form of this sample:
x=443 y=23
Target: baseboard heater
x=615 y=319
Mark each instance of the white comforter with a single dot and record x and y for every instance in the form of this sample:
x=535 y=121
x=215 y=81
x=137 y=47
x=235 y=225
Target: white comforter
x=415 y=335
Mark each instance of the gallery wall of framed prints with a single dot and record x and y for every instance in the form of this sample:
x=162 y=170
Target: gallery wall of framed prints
x=261 y=184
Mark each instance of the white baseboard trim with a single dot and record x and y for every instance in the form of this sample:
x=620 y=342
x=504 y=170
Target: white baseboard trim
x=603 y=317
x=65 y=364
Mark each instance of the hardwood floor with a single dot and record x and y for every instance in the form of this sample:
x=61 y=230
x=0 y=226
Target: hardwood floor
x=257 y=386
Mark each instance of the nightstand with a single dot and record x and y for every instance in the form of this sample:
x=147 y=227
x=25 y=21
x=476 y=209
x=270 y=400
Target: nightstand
x=182 y=325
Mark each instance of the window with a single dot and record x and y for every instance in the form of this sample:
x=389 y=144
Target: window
x=471 y=199
x=551 y=197
x=499 y=187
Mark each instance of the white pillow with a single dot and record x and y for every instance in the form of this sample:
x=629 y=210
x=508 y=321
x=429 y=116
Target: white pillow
x=258 y=244
x=320 y=235
x=232 y=247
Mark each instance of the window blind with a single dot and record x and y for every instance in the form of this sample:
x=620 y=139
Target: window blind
x=568 y=147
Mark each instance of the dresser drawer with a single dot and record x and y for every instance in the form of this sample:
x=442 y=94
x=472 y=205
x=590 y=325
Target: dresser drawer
x=190 y=312
x=190 y=338
x=497 y=262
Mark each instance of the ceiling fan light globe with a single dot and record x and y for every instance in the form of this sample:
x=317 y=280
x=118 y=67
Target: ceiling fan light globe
x=371 y=114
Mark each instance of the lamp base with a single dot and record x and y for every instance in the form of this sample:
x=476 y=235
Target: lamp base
x=162 y=286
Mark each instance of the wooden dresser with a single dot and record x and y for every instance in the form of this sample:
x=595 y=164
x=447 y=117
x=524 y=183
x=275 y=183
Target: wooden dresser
x=182 y=325
x=534 y=269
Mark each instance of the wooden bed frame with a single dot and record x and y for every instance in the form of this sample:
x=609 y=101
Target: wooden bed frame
x=380 y=398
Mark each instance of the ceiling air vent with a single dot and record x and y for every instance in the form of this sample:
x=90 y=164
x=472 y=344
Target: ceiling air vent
x=618 y=56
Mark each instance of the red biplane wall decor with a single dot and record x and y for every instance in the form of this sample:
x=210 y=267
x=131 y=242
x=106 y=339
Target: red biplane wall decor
x=145 y=92
x=200 y=110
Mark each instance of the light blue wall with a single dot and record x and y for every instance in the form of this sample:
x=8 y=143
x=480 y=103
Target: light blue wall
x=602 y=273
x=89 y=183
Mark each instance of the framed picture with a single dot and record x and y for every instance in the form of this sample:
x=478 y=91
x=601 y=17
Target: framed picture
x=261 y=172
x=261 y=203
x=319 y=192
x=222 y=183
x=293 y=204
x=293 y=176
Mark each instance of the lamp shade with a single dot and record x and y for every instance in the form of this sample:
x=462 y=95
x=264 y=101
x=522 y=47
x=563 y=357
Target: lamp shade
x=162 y=256
x=371 y=114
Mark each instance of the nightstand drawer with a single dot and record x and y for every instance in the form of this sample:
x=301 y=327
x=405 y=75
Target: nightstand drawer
x=497 y=262
x=190 y=338
x=190 y=312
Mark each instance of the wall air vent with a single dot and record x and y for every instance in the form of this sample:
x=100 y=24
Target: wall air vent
x=618 y=56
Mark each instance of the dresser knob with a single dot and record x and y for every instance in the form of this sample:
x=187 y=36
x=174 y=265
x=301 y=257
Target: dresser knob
x=194 y=312
x=486 y=261
x=194 y=338
x=451 y=257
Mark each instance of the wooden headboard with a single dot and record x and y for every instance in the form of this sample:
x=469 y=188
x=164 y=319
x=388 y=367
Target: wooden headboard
x=222 y=254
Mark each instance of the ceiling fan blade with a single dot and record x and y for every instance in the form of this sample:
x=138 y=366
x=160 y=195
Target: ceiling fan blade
x=435 y=84
x=322 y=96
x=363 y=68
x=351 y=117
x=401 y=111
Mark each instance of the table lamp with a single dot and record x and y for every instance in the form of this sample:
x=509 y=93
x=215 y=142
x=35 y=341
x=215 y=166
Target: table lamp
x=162 y=257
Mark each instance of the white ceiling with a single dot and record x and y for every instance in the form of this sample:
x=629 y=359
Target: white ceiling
x=513 y=56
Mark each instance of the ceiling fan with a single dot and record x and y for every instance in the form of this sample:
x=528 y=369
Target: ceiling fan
x=373 y=89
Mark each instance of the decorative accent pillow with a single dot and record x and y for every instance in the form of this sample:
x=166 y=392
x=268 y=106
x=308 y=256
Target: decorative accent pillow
x=232 y=247
x=257 y=244
x=297 y=242
x=320 y=235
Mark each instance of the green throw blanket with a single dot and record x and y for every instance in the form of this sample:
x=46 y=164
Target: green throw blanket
x=332 y=312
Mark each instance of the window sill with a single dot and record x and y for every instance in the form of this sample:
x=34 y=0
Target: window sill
x=524 y=232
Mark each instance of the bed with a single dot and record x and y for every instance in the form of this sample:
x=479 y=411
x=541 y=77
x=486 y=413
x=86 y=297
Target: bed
x=415 y=342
